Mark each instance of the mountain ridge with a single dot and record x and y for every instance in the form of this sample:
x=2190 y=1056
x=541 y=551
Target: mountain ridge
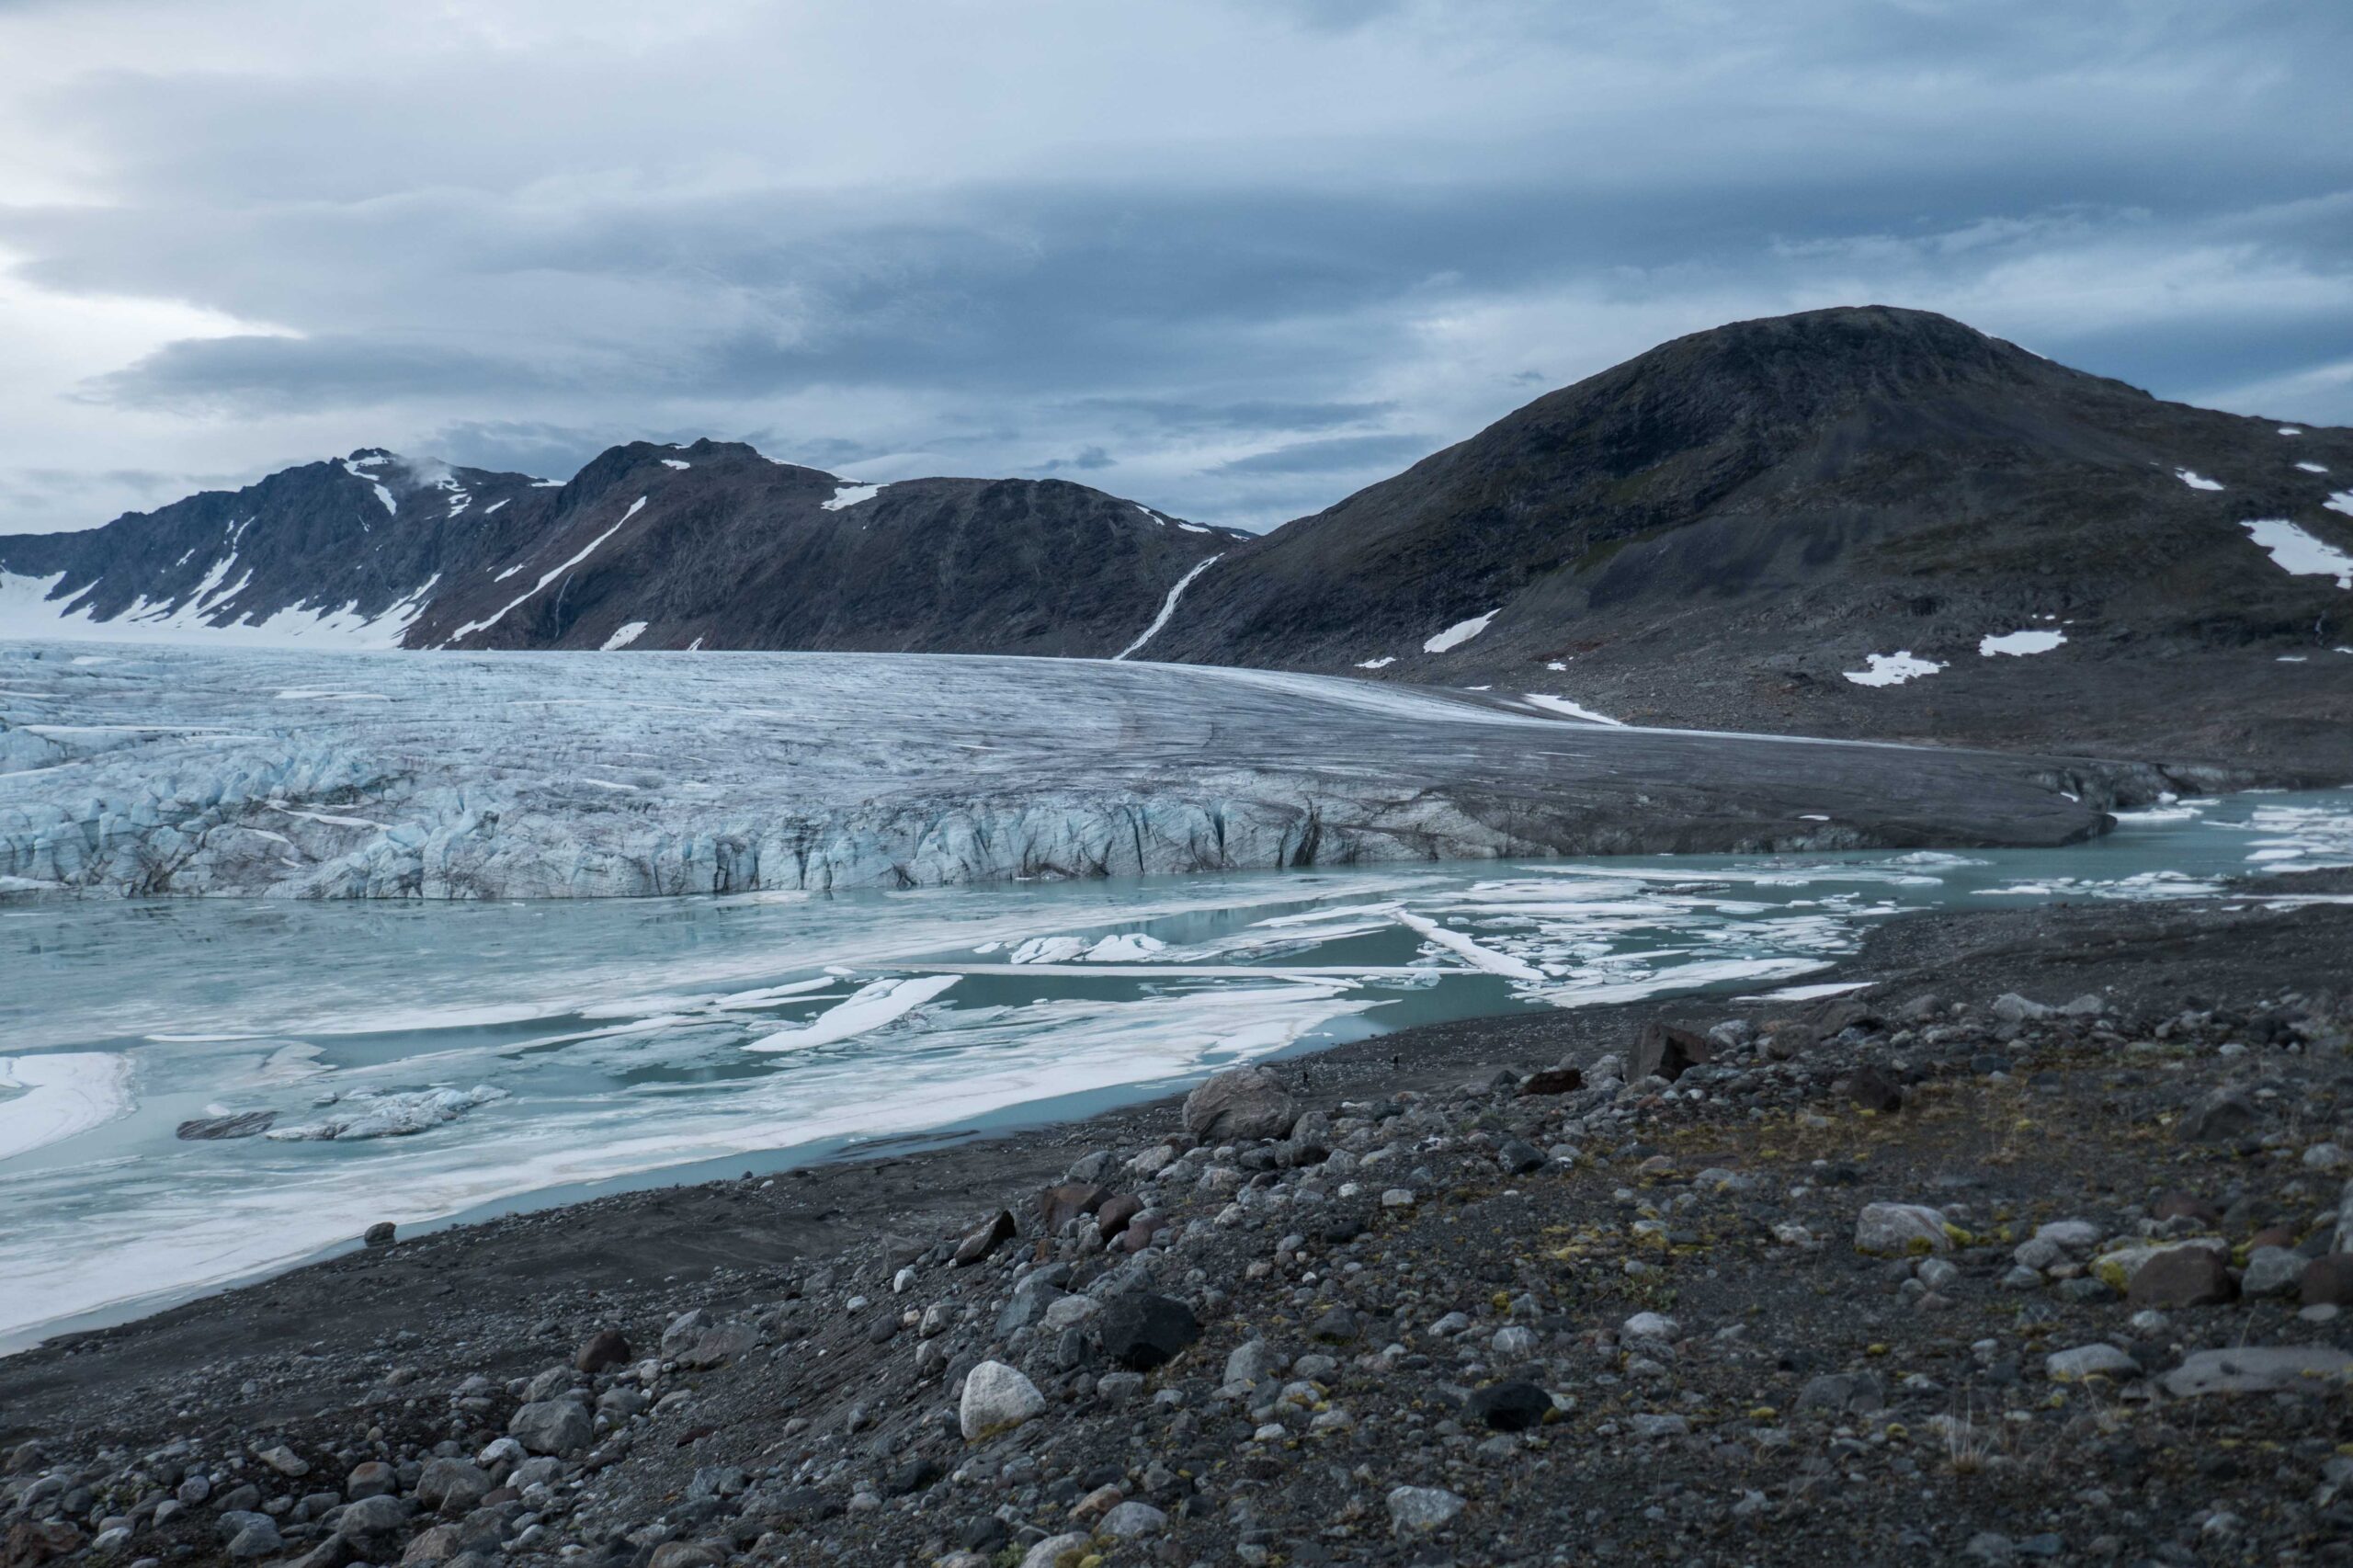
x=714 y=544
x=1865 y=521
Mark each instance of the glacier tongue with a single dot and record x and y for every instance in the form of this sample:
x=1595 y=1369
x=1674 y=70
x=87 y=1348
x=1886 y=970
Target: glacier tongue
x=327 y=775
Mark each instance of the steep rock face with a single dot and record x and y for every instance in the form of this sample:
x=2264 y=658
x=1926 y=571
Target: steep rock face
x=342 y=551
x=1716 y=532
x=711 y=545
x=715 y=546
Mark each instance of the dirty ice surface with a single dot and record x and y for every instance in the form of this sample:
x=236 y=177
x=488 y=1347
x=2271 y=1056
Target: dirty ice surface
x=417 y=1062
x=458 y=776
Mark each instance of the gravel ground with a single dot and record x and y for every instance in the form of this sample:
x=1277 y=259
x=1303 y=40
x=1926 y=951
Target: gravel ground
x=2032 y=1250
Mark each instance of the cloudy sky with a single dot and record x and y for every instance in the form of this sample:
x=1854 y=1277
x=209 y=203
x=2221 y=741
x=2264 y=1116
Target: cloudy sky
x=1231 y=259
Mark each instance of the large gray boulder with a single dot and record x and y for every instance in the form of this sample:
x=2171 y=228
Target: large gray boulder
x=558 y=1426
x=996 y=1397
x=1239 y=1105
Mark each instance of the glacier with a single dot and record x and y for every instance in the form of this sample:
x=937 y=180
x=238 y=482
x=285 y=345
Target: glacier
x=323 y=774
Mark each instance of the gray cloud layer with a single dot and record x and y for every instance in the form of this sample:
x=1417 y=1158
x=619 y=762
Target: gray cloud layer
x=1234 y=260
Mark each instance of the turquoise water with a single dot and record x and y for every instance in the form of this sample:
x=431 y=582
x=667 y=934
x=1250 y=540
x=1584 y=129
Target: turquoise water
x=548 y=1049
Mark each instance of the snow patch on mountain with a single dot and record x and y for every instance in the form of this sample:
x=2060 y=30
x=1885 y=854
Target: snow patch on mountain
x=1892 y=669
x=2019 y=643
x=2300 y=552
x=1461 y=632
x=625 y=635
x=1167 y=607
x=847 y=494
x=469 y=627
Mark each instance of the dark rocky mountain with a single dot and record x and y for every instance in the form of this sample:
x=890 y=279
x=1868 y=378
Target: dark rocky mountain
x=1859 y=522
x=711 y=545
x=1717 y=532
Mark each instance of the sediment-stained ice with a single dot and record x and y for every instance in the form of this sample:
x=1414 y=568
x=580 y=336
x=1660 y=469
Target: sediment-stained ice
x=482 y=775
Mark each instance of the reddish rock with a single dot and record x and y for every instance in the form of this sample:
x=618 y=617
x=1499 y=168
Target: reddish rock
x=1058 y=1206
x=1666 y=1051
x=1555 y=1080
x=2182 y=1277
x=1113 y=1214
x=986 y=1240
x=2328 y=1281
x=32 y=1542
x=2271 y=1236
x=1140 y=1232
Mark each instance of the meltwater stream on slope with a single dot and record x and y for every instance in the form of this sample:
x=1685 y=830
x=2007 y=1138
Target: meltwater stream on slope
x=421 y=1061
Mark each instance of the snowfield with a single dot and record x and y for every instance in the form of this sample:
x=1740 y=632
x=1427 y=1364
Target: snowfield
x=455 y=775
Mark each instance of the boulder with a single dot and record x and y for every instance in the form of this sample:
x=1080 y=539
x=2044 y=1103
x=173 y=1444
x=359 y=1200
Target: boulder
x=1113 y=1215
x=2089 y=1361
x=990 y=1235
x=1251 y=1362
x=1666 y=1051
x=2328 y=1281
x=2273 y=1271
x=558 y=1427
x=1417 y=1510
x=1901 y=1229
x=1239 y=1105
x=1058 y=1205
x=1874 y=1091
x=2278 y=1368
x=1843 y=1392
x=1519 y=1157
x=1509 y=1407
x=2221 y=1117
x=2181 y=1277
x=1142 y=1331
x=380 y=1234
x=1554 y=1081
x=603 y=1350
x=996 y=1397
x=372 y=1478
x=1132 y=1519
x=717 y=1345
x=1064 y=1550
x=452 y=1485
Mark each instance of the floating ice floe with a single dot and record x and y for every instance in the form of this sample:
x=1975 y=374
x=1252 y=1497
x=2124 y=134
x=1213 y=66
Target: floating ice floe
x=1461 y=632
x=885 y=1002
x=2020 y=642
x=58 y=1096
x=1893 y=669
x=369 y=1114
x=2300 y=552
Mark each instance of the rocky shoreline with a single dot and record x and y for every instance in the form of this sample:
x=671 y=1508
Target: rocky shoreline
x=2032 y=1248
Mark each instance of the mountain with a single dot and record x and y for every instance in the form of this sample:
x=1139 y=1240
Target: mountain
x=1863 y=522
x=711 y=545
x=1781 y=524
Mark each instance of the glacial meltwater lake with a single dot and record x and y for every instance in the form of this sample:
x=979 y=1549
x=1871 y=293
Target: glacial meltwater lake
x=426 y=1062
